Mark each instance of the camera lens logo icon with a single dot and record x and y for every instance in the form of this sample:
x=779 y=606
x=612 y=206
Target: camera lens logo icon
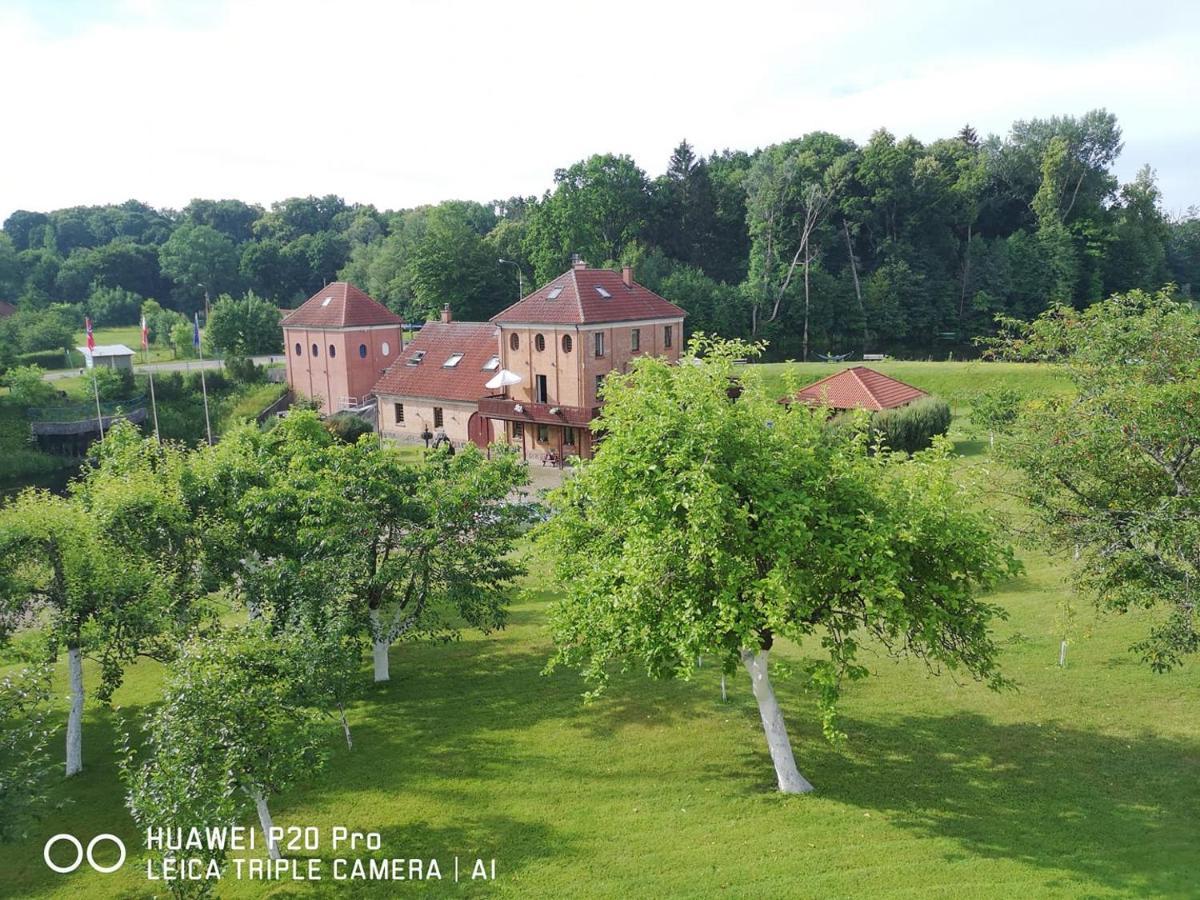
x=81 y=854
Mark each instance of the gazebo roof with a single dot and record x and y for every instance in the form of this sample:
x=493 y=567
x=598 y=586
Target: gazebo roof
x=859 y=388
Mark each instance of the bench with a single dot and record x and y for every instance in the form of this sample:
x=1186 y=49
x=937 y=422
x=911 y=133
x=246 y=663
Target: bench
x=874 y=357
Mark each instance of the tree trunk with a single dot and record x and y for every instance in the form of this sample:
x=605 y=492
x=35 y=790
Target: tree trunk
x=75 y=718
x=380 y=650
x=862 y=311
x=790 y=779
x=264 y=821
x=345 y=727
x=807 y=260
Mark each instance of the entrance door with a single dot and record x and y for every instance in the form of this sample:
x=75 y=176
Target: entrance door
x=479 y=430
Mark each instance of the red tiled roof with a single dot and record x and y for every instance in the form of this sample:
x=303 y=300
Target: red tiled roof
x=339 y=305
x=6 y=309
x=579 y=301
x=430 y=378
x=859 y=388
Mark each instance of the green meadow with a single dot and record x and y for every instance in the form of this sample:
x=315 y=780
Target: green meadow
x=1083 y=781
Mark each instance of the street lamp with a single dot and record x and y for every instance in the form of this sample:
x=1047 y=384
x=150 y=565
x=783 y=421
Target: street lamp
x=520 y=276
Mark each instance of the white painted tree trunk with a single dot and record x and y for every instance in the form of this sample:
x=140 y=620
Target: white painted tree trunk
x=264 y=821
x=380 y=650
x=75 y=718
x=790 y=779
x=345 y=727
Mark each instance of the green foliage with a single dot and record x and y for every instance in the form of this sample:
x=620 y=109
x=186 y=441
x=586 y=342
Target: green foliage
x=348 y=428
x=710 y=526
x=198 y=258
x=248 y=326
x=25 y=766
x=912 y=427
x=111 y=384
x=1113 y=469
x=181 y=338
x=114 y=306
x=996 y=409
x=27 y=387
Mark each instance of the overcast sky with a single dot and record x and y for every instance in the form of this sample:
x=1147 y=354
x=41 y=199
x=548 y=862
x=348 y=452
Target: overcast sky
x=402 y=103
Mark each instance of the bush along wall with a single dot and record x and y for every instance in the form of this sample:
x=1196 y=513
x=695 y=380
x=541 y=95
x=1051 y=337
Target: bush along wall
x=913 y=427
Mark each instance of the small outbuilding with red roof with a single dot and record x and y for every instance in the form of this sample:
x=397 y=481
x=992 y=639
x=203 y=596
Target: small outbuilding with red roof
x=338 y=343
x=859 y=388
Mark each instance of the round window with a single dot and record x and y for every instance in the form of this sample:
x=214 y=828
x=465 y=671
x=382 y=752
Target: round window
x=386 y=348
x=332 y=351
x=514 y=342
x=539 y=343
x=314 y=349
x=566 y=343
x=297 y=348
x=362 y=351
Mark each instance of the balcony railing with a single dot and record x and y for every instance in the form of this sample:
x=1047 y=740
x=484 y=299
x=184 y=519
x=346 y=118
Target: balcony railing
x=541 y=413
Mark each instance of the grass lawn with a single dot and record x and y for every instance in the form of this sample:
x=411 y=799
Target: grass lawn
x=1083 y=782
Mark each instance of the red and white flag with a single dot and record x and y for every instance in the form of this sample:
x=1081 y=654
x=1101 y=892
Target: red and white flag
x=91 y=341
x=145 y=335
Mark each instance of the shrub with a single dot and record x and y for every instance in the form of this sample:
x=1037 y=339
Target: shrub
x=242 y=370
x=26 y=386
x=913 y=427
x=348 y=428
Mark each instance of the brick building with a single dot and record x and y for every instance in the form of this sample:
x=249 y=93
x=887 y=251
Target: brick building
x=337 y=345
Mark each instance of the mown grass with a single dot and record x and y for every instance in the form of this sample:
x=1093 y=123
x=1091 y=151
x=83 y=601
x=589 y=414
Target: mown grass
x=1081 y=782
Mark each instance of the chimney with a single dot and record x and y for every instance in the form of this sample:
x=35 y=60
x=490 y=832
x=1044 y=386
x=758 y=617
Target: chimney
x=627 y=275
x=578 y=262
x=446 y=316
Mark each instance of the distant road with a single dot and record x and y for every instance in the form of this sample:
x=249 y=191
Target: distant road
x=175 y=365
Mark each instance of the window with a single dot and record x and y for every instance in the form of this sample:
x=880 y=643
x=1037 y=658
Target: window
x=437 y=417
x=386 y=348
x=540 y=390
x=554 y=292
x=599 y=343
x=454 y=360
x=297 y=348
x=566 y=343
x=492 y=364
x=415 y=359
x=514 y=342
x=362 y=351
x=667 y=336
x=399 y=410
x=635 y=340
x=543 y=434
x=518 y=429
x=599 y=384
x=326 y=301
x=314 y=350
x=568 y=437
x=602 y=292
x=539 y=342
x=332 y=351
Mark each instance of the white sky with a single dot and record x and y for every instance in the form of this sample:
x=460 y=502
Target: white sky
x=413 y=101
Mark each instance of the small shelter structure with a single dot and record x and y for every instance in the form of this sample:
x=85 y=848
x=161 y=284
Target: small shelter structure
x=858 y=388
x=107 y=356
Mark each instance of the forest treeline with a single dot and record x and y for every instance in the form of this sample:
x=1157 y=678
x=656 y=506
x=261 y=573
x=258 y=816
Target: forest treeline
x=817 y=244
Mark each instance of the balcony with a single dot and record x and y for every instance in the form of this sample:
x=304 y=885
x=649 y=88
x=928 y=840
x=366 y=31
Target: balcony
x=539 y=413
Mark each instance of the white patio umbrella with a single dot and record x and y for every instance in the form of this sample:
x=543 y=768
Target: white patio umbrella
x=503 y=379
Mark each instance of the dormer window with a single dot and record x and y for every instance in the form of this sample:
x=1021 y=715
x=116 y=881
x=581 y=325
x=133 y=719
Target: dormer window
x=454 y=360
x=415 y=359
x=492 y=364
x=554 y=292
x=602 y=292
x=326 y=301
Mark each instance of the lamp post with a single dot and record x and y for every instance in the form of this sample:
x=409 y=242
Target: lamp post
x=520 y=276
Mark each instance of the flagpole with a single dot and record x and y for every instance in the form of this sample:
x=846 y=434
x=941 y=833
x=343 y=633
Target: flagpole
x=154 y=407
x=96 y=391
x=150 y=376
x=203 y=384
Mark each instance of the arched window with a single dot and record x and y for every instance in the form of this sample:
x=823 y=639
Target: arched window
x=297 y=348
x=362 y=351
x=314 y=350
x=386 y=348
x=566 y=342
x=539 y=342
x=514 y=342
x=332 y=351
